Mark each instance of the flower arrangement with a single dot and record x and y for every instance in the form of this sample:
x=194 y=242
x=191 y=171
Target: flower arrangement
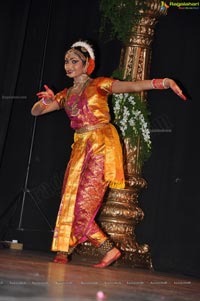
x=131 y=118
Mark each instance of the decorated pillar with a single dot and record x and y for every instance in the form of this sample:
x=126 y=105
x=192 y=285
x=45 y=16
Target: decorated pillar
x=120 y=211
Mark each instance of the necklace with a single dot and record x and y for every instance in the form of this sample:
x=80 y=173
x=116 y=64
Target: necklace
x=79 y=84
x=81 y=80
x=73 y=96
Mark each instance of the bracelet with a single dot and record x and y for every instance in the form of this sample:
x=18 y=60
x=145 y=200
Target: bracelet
x=44 y=102
x=164 y=85
x=159 y=83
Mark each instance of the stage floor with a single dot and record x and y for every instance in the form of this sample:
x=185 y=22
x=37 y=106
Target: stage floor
x=31 y=275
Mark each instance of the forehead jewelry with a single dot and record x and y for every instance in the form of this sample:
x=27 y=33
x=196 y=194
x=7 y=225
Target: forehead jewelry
x=77 y=52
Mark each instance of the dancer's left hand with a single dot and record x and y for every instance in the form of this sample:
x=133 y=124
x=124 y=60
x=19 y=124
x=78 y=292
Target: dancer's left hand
x=173 y=85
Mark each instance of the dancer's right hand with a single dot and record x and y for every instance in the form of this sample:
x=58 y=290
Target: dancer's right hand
x=47 y=95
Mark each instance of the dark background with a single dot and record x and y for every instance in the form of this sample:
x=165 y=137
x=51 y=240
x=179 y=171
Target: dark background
x=35 y=151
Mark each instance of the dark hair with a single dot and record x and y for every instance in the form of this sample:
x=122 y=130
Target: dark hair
x=82 y=50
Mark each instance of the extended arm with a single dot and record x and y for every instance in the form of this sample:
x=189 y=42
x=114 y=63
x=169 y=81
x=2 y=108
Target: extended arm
x=143 y=85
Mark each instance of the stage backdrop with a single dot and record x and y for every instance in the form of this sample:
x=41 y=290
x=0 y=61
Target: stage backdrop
x=34 y=151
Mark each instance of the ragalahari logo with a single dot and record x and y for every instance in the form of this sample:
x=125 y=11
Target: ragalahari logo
x=180 y=5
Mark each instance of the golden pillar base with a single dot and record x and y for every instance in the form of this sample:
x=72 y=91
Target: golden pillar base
x=119 y=216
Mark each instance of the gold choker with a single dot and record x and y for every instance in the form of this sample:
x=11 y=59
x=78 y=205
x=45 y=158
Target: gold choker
x=83 y=78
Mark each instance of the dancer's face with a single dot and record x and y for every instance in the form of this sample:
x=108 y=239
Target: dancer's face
x=74 y=66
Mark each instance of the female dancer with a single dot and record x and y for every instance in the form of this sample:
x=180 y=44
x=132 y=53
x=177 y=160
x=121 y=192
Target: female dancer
x=96 y=159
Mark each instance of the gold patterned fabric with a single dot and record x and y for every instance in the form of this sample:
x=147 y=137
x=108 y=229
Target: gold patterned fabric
x=95 y=164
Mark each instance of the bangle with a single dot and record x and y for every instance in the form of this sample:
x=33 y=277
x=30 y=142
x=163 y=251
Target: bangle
x=164 y=85
x=44 y=102
x=152 y=83
x=159 y=83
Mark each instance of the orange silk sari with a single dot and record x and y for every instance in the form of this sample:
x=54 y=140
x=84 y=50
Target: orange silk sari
x=95 y=163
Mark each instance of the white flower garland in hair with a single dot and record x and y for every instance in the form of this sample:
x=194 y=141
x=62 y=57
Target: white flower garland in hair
x=86 y=46
x=130 y=116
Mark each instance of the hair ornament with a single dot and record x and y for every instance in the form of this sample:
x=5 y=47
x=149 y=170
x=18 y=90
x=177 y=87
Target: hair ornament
x=87 y=46
x=91 y=66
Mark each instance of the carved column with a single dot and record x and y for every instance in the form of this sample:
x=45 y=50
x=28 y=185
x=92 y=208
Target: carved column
x=120 y=212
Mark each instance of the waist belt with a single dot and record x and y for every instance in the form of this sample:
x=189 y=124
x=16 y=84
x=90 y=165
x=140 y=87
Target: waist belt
x=89 y=128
